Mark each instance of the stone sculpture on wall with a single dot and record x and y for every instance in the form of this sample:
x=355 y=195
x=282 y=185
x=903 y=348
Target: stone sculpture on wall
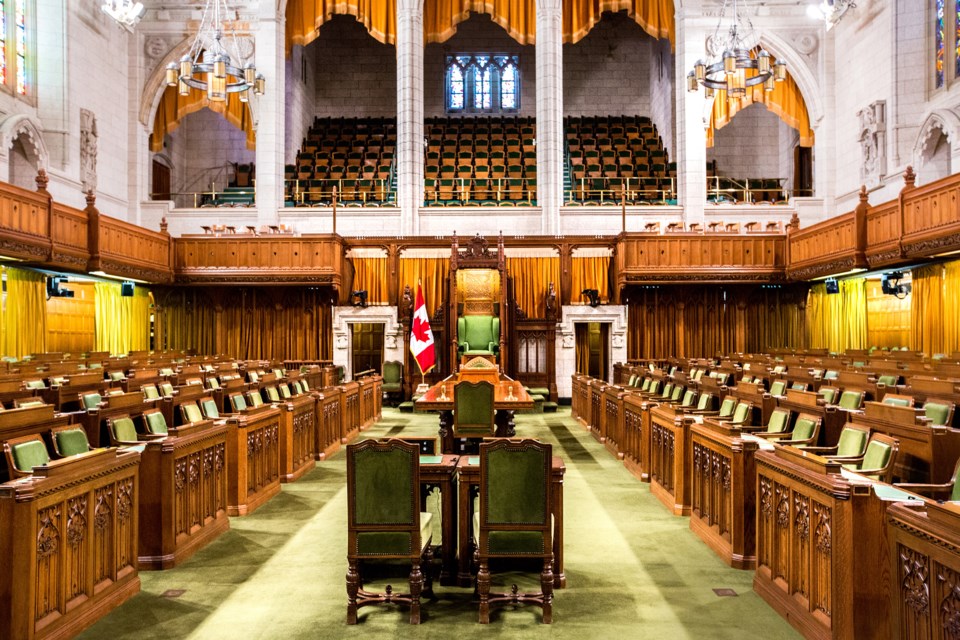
x=873 y=143
x=88 y=150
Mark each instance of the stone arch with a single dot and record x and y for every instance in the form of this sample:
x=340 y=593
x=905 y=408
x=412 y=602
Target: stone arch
x=937 y=122
x=800 y=72
x=28 y=130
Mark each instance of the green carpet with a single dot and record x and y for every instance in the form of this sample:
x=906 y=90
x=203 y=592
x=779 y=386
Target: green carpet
x=632 y=568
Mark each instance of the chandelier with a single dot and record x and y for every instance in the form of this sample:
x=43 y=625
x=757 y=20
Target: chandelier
x=730 y=54
x=125 y=12
x=209 y=66
x=830 y=11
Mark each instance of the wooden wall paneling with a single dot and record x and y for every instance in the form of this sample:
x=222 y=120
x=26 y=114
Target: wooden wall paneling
x=129 y=250
x=888 y=318
x=253 y=459
x=931 y=216
x=298 y=440
x=671 y=458
x=69 y=237
x=884 y=231
x=24 y=223
x=70 y=321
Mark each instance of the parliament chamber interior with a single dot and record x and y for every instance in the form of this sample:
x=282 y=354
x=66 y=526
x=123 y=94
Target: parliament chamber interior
x=619 y=316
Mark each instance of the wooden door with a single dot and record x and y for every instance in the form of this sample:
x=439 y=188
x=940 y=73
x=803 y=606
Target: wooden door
x=367 y=346
x=161 y=182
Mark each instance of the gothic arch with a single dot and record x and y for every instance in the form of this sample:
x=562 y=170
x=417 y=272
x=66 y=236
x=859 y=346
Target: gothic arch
x=938 y=121
x=801 y=74
x=30 y=133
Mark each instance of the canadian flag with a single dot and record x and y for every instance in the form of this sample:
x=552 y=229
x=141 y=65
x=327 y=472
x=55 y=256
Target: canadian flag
x=421 y=337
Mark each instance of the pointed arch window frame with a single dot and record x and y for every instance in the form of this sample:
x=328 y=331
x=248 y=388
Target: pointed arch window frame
x=18 y=49
x=945 y=44
x=482 y=83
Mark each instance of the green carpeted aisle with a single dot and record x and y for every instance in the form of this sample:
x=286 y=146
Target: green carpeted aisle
x=632 y=568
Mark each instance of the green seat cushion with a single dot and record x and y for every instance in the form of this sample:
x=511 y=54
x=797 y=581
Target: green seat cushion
x=704 y=403
x=727 y=407
x=213 y=383
x=71 y=442
x=285 y=391
x=166 y=388
x=542 y=391
x=478 y=335
x=124 y=430
x=887 y=380
x=210 y=409
x=937 y=412
x=192 y=412
x=238 y=403
x=803 y=430
x=30 y=454
x=272 y=394
x=511 y=542
x=778 y=422
x=897 y=402
x=851 y=442
x=850 y=400
x=778 y=387
x=91 y=400
x=376 y=543
x=536 y=397
x=389 y=387
x=255 y=399
x=741 y=413
x=150 y=392
x=877 y=456
x=828 y=394
x=156 y=423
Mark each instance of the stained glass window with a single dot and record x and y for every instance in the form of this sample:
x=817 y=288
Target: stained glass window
x=3 y=43
x=21 y=47
x=957 y=41
x=939 y=43
x=483 y=83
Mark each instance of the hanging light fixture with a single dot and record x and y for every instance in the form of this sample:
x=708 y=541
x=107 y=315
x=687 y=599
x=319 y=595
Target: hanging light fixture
x=729 y=57
x=210 y=67
x=126 y=12
x=830 y=11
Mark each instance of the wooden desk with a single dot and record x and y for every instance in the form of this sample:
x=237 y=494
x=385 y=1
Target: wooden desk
x=468 y=470
x=439 y=397
x=253 y=459
x=298 y=441
x=671 y=458
x=440 y=475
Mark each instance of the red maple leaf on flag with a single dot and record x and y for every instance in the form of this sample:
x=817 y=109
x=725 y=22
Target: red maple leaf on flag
x=420 y=329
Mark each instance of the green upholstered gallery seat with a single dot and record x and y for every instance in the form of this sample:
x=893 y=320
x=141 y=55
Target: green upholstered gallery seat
x=645 y=386
x=699 y=374
x=166 y=371
x=779 y=421
x=254 y=399
x=70 y=441
x=798 y=386
x=667 y=391
x=237 y=402
x=191 y=412
x=209 y=407
x=704 y=403
x=91 y=400
x=297 y=389
x=805 y=429
x=851 y=400
x=384 y=521
x=115 y=376
x=272 y=394
x=778 y=387
x=851 y=444
x=727 y=406
x=155 y=423
x=166 y=389
x=122 y=431
x=303 y=383
x=473 y=409
x=253 y=376
x=25 y=453
x=150 y=391
x=940 y=412
x=514 y=517
x=478 y=335
x=392 y=377
x=654 y=387
x=632 y=381
x=677 y=393
x=741 y=414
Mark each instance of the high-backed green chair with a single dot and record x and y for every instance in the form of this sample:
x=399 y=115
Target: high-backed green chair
x=778 y=424
x=25 y=453
x=285 y=391
x=851 y=400
x=704 y=404
x=154 y=422
x=272 y=394
x=166 y=389
x=741 y=413
x=878 y=460
x=829 y=394
x=209 y=408
x=689 y=398
x=254 y=399
x=91 y=400
x=190 y=412
x=778 y=387
x=940 y=412
x=946 y=491
x=888 y=380
x=473 y=414
x=122 y=431
x=851 y=445
x=393 y=379
x=213 y=383
x=514 y=518
x=69 y=441
x=384 y=521
x=805 y=431
x=34 y=385
x=478 y=335
x=150 y=392
x=237 y=402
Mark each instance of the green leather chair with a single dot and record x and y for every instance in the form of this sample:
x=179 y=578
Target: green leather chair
x=805 y=431
x=689 y=397
x=122 y=431
x=778 y=424
x=473 y=414
x=888 y=380
x=278 y=373
x=898 y=400
x=851 y=400
x=190 y=412
x=154 y=423
x=393 y=380
x=677 y=393
x=166 y=389
x=704 y=404
x=384 y=521
x=285 y=391
x=254 y=399
x=829 y=394
x=34 y=385
x=514 y=518
x=940 y=412
x=213 y=383
x=91 y=400
x=645 y=385
x=878 y=460
x=778 y=388
x=209 y=408
x=150 y=392
x=25 y=453
x=272 y=394
x=851 y=445
x=478 y=335
x=69 y=441
x=237 y=403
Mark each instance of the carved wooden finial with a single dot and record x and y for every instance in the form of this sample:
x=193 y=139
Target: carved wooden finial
x=42 y=181
x=909 y=177
x=794 y=223
x=863 y=193
x=163 y=224
x=91 y=198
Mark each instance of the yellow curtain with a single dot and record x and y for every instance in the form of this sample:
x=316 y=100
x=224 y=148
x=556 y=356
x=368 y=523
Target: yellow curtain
x=656 y=17
x=888 y=318
x=433 y=274
x=927 y=309
x=305 y=17
x=785 y=100
x=25 y=318
x=517 y=17
x=590 y=273
x=838 y=322
x=173 y=108
x=951 y=307
x=71 y=322
x=370 y=274
x=122 y=323
x=531 y=281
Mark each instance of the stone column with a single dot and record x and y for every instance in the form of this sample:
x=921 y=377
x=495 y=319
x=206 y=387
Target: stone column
x=410 y=156
x=550 y=113
x=691 y=108
x=270 y=113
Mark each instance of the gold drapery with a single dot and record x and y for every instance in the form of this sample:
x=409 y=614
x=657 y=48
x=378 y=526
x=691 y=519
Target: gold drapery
x=656 y=17
x=173 y=108
x=122 y=323
x=838 y=322
x=531 y=281
x=888 y=318
x=926 y=309
x=785 y=100
x=951 y=307
x=305 y=17
x=701 y=321
x=71 y=322
x=432 y=272
x=247 y=322
x=370 y=275
x=591 y=272
x=517 y=17
x=25 y=316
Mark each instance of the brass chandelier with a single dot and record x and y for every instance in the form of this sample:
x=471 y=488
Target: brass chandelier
x=210 y=67
x=730 y=55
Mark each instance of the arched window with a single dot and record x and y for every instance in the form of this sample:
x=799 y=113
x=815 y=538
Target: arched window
x=483 y=83
x=946 y=42
x=16 y=46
